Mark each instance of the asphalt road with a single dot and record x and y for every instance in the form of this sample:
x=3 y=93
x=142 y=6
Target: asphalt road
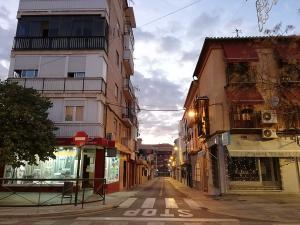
x=158 y=204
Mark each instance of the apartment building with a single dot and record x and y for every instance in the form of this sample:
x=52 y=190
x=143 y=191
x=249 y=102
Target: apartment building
x=242 y=118
x=80 y=55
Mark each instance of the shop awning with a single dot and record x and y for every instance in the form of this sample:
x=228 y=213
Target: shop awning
x=239 y=52
x=292 y=95
x=288 y=52
x=255 y=146
x=103 y=142
x=245 y=95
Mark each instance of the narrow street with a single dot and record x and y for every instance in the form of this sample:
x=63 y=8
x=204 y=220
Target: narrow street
x=157 y=203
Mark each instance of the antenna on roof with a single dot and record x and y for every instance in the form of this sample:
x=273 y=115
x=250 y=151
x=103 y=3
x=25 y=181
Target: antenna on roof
x=238 y=32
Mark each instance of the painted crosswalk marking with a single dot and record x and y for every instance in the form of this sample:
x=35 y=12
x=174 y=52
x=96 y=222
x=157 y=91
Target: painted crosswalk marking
x=148 y=203
x=157 y=219
x=192 y=204
x=127 y=203
x=171 y=203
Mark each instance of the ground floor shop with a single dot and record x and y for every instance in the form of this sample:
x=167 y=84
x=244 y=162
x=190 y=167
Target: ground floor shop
x=247 y=163
x=70 y=162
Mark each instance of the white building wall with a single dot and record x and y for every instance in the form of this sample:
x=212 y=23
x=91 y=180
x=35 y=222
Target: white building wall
x=96 y=66
x=289 y=175
x=63 y=5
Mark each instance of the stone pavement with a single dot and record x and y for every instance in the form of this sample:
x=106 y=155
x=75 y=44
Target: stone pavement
x=265 y=207
x=112 y=200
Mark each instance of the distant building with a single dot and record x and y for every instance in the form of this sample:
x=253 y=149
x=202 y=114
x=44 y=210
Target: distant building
x=241 y=127
x=158 y=155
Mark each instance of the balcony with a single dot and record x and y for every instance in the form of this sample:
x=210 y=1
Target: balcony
x=240 y=73
x=248 y=122
x=128 y=89
x=69 y=129
x=63 y=84
x=128 y=116
x=62 y=5
x=60 y=43
x=128 y=53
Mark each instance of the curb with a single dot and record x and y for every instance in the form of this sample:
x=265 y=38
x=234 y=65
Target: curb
x=63 y=213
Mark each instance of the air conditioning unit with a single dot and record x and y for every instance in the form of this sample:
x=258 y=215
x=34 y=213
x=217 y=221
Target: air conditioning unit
x=268 y=116
x=110 y=136
x=269 y=133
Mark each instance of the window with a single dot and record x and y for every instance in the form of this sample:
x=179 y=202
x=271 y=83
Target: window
x=74 y=113
x=25 y=73
x=116 y=91
x=244 y=116
x=76 y=74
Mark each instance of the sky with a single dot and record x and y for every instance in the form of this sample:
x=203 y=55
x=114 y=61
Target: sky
x=166 y=50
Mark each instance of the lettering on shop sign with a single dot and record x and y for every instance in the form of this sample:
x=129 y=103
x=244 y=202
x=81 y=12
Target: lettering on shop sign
x=153 y=212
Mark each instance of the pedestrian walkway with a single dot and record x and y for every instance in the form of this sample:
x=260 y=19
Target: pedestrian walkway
x=265 y=207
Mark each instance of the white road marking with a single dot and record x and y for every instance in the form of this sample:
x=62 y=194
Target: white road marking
x=154 y=219
x=170 y=203
x=149 y=212
x=127 y=203
x=148 y=203
x=167 y=213
x=192 y=204
x=132 y=212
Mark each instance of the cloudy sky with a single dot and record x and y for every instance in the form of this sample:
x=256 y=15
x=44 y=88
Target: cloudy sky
x=166 y=50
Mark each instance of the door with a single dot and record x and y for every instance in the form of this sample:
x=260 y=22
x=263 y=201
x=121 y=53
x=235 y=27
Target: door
x=269 y=169
x=124 y=174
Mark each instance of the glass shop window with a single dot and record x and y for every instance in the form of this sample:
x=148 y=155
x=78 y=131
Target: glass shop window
x=112 y=167
x=63 y=166
x=243 y=169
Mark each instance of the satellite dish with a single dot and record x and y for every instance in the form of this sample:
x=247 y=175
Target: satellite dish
x=274 y=101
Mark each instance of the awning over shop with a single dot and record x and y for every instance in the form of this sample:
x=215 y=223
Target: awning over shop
x=103 y=142
x=292 y=95
x=245 y=95
x=239 y=52
x=255 y=146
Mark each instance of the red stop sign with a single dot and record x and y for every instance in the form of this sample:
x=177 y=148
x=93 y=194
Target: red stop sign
x=80 y=138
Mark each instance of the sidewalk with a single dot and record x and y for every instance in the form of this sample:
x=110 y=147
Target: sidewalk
x=270 y=207
x=112 y=200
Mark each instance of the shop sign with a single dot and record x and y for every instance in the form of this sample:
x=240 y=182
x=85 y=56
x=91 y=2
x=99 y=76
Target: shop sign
x=111 y=152
x=225 y=138
x=80 y=138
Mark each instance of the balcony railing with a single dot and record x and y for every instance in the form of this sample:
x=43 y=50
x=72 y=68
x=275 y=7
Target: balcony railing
x=60 y=43
x=128 y=89
x=129 y=116
x=89 y=84
x=238 y=121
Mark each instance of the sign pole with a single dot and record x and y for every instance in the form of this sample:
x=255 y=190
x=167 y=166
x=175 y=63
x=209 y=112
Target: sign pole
x=77 y=175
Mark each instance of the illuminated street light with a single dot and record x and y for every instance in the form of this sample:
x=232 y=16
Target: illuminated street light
x=175 y=148
x=191 y=114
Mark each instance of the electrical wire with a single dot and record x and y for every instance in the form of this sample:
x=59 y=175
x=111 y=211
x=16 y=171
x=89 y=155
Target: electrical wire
x=170 y=13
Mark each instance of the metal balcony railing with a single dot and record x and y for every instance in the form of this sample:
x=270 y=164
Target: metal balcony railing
x=60 y=43
x=90 y=84
x=129 y=87
x=239 y=121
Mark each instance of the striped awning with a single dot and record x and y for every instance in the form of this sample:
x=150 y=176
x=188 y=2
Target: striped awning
x=255 y=146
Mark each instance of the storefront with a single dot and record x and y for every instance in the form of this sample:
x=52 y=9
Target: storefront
x=64 y=166
x=257 y=164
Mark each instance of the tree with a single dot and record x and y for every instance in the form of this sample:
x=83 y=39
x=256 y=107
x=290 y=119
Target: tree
x=25 y=130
